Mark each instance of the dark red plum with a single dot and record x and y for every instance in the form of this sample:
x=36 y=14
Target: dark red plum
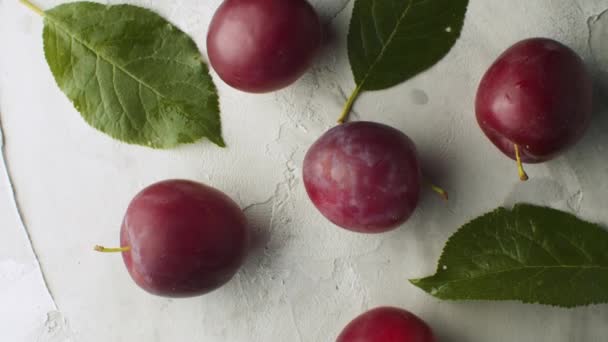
x=363 y=176
x=260 y=46
x=183 y=238
x=535 y=100
x=387 y=324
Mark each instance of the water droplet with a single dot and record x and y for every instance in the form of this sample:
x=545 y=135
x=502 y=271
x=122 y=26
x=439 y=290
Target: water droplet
x=448 y=29
x=419 y=97
x=445 y=267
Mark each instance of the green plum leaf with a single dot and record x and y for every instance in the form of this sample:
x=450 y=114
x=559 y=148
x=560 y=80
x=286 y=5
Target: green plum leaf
x=391 y=41
x=131 y=74
x=530 y=254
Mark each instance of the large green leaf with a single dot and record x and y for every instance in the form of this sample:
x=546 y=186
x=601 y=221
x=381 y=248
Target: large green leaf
x=390 y=41
x=531 y=254
x=132 y=74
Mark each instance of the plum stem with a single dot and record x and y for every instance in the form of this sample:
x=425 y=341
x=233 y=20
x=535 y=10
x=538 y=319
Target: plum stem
x=439 y=191
x=33 y=7
x=349 y=104
x=523 y=176
x=112 y=250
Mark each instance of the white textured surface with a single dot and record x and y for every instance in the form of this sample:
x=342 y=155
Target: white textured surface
x=304 y=278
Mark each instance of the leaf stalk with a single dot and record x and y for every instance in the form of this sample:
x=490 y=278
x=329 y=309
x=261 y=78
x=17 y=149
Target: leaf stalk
x=33 y=7
x=523 y=176
x=349 y=104
x=442 y=193
x=112 y=250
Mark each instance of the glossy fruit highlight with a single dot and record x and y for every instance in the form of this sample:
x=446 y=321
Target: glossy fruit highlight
x=387 y=324
x=535 y=100
x=363 y=176
x=263 y=45
x=183 y=238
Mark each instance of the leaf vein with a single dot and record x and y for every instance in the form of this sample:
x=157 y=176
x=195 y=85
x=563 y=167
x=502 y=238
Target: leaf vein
x=514 y=269
x=111 y=62
x=375 y=21
x=152 y=57
x=584 y=253
x=125 y=110
x=385 y=46
x=148 y=121
x=543 y=247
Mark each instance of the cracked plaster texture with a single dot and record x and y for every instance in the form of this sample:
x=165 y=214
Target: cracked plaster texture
x=304 y=278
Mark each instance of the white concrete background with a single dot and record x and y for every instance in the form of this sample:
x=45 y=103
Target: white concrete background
x=305 y=279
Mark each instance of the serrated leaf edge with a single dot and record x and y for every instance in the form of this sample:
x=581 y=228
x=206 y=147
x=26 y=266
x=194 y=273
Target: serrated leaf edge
x=418 y=281
x=384 y=45
x=219 y=141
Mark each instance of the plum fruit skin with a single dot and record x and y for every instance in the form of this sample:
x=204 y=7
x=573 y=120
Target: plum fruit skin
x=538 y=95
x=260 y=46
x=186 y=238
x=363 y=176
x=387 y=324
